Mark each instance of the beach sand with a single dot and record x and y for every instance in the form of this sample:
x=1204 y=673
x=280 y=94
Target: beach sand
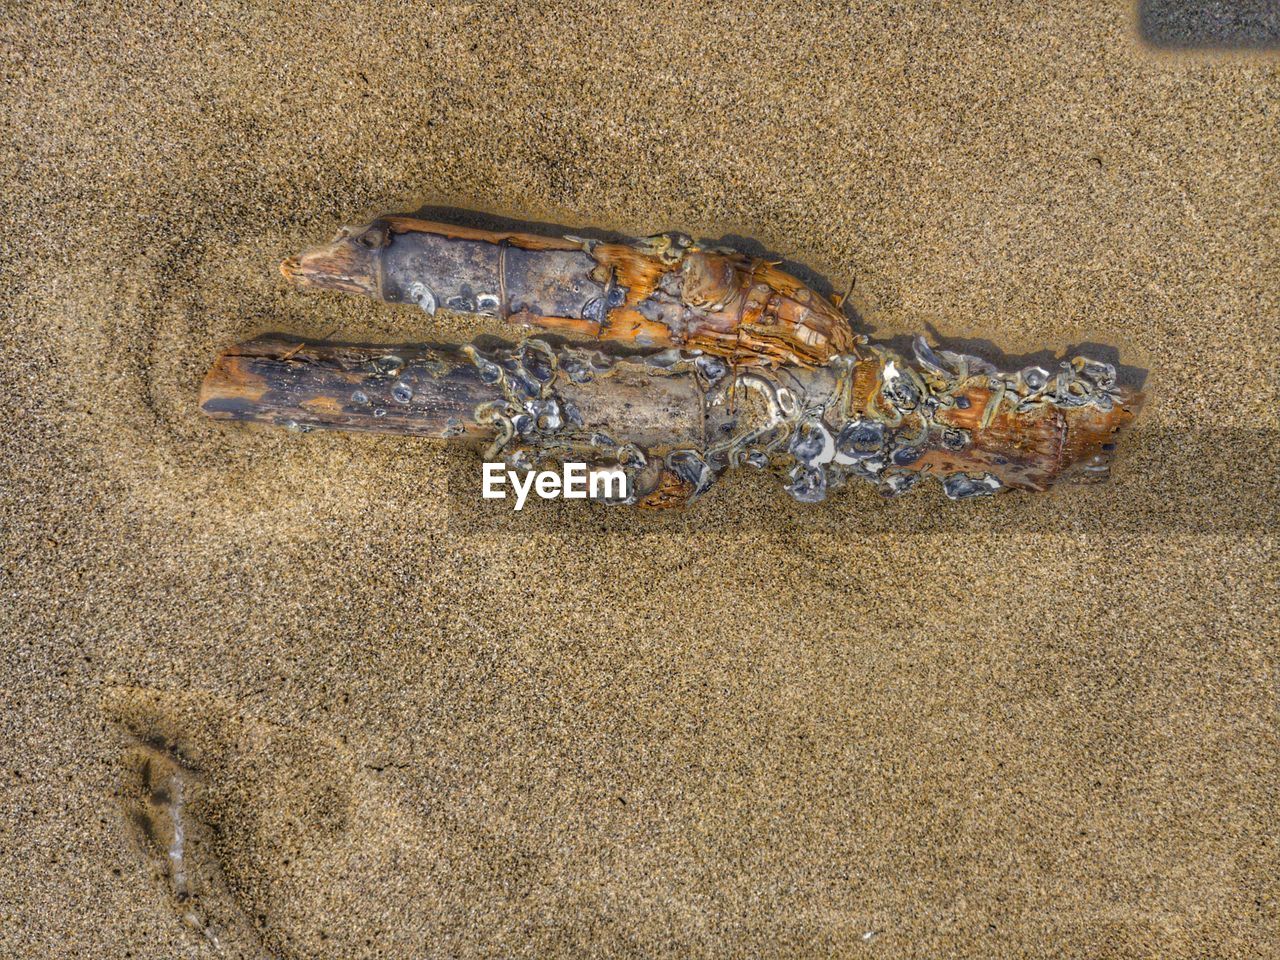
x=412 y=727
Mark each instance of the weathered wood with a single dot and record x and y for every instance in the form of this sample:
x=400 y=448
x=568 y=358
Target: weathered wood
x=676 y=420
x=658 y=292
x=746 y=365
x=529 y=402
x=417 y=391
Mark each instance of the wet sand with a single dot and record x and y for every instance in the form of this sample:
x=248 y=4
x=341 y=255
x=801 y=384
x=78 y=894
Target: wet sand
x=407 y=727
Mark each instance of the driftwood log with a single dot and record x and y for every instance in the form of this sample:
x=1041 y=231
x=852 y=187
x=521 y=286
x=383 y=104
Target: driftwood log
x=655 y=292
x=671 y=420
x=743 y=366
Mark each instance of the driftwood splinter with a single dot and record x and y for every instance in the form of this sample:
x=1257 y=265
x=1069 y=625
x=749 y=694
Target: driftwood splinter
x=743 y=365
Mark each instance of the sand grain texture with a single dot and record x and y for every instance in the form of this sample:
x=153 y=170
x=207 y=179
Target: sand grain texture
x=1030 y=727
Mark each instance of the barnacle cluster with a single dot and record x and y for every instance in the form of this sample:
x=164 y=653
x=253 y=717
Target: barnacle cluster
x=918 y=420
x=879 y=418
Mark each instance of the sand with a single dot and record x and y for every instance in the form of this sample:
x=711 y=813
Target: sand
x=1027 y=727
